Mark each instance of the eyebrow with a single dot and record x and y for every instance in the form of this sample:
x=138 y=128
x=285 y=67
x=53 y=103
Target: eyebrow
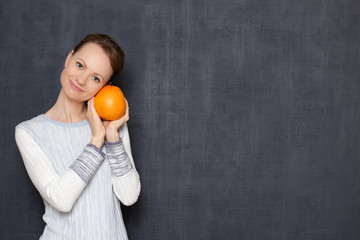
x=94 y=72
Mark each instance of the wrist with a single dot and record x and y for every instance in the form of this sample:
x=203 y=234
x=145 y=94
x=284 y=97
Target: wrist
x=112 y=136
x=97 y=141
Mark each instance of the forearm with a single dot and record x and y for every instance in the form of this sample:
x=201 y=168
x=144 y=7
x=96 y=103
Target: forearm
x=59 y=191
x=112 y=135
x=125 y=178
x=127 y=188
x=88 y=162
x=118 y=158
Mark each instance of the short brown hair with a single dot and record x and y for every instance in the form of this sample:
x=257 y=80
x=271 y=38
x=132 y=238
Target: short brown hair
x=109 y=45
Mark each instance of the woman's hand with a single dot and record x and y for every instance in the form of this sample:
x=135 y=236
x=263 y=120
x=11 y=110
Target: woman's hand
x=112 y=128
x=97 y=126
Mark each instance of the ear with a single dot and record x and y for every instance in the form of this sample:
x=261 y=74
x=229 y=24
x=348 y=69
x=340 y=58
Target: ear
x=67 y=60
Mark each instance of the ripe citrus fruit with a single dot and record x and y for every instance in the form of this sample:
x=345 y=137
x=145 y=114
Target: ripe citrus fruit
x=110 y=103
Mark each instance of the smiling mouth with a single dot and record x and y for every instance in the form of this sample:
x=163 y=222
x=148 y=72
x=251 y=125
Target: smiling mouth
x=76 y=88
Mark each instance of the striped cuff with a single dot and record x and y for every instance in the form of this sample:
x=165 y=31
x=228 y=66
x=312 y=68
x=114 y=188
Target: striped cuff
x=118 y=158
x=88 y=162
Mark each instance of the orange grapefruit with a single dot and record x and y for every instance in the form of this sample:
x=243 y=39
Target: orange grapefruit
x=110 y=103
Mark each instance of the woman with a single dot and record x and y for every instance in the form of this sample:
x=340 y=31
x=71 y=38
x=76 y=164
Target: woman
x=82 y=166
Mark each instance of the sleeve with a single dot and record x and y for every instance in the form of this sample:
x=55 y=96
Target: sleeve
x=61 y=192
x=125 y=178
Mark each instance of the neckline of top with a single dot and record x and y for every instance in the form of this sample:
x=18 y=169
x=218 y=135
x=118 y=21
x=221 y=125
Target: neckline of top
x=64 y=124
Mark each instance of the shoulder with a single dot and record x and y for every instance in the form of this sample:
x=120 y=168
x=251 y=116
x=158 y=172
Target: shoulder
x=28 y=124
x=32 y=131
x=24 y=132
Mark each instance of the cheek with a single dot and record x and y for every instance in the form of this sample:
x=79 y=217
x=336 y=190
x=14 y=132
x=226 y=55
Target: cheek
x=62 y=77
x=65 y=75
x=94 y=88
x=67 y=72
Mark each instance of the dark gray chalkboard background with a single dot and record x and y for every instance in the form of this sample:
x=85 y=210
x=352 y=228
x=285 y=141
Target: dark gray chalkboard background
x=244 y=114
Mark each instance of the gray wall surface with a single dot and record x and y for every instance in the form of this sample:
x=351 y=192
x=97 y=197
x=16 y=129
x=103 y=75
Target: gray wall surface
x=244 y=115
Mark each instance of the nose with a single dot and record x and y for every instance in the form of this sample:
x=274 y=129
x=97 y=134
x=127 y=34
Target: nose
x=81 y=79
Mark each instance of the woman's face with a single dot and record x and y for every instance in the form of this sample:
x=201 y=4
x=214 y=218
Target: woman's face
x=85 y=72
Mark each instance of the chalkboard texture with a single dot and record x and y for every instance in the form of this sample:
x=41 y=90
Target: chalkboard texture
x=244 y=115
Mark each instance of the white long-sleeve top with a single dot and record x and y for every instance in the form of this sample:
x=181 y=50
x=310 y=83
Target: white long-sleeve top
x=81 y=185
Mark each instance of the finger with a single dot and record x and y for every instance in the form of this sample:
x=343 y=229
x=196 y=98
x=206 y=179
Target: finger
x=126 y=114
x=106 y=123
x=90 y=103
x=92 y=106
x=127 y=107
x=89 y=107
x=91 y=100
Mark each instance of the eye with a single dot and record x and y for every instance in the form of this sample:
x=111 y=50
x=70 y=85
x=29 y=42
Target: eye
x=96 y=79
x=79 y=65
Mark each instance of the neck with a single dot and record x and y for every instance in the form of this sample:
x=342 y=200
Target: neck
x=67 y=110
